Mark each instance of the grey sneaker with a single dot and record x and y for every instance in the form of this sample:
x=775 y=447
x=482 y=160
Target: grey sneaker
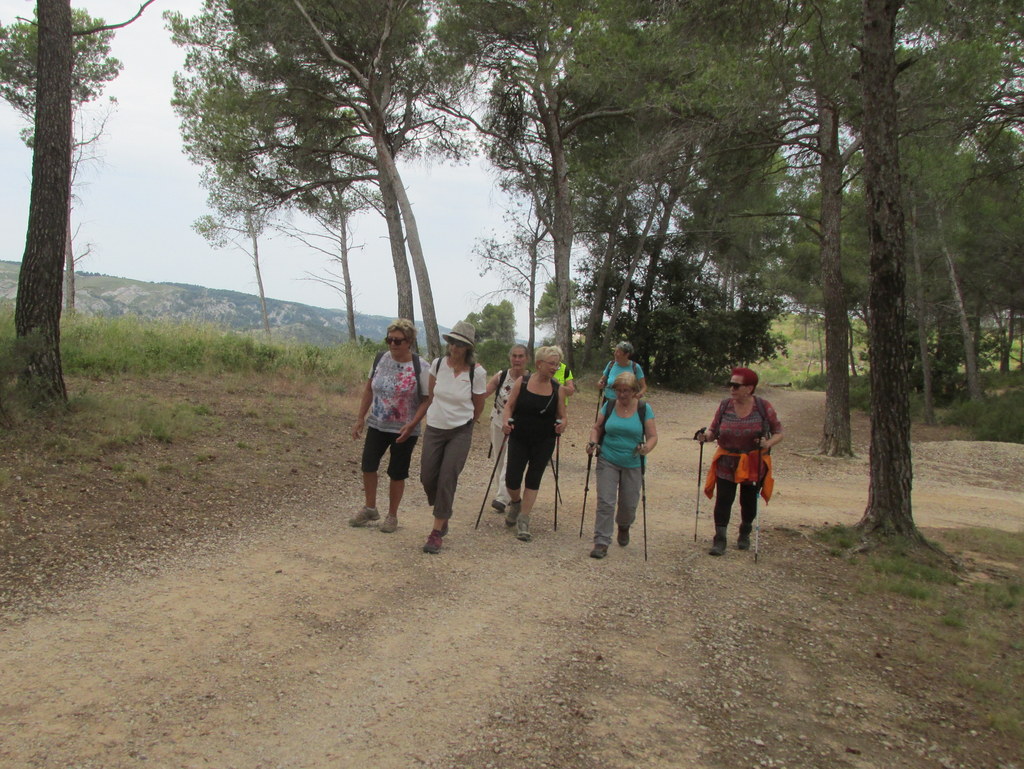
x=512 y=513
x=389 y=524
x=498 y=505
x=364 y=516
x=523 y=528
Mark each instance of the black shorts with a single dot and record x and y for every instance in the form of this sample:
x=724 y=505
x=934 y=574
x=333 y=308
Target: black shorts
x=377 y=442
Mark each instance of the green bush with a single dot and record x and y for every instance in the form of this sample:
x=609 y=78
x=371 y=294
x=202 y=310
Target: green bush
x=999 y=418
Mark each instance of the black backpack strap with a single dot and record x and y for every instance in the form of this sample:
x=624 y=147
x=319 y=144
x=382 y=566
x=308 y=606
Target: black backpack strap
x=373 y=371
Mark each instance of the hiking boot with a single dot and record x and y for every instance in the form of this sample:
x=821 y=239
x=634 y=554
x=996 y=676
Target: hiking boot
x=523 y=528
x=512 y=513
x=718 y=543
x=433 y=544
x=498 y=505
x=364 y=516
x=623 y=538
x=743 y=541
x=599 y=551
x=389 y=524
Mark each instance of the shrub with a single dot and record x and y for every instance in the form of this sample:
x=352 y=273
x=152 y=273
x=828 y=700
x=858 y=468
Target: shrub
x=999 y=418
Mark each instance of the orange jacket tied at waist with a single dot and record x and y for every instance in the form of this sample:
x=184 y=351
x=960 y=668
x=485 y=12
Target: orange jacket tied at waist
x=746 y=472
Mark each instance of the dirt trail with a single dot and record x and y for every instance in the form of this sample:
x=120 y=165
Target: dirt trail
x=307 y=644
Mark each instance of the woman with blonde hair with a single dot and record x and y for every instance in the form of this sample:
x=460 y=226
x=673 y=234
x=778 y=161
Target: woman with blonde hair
x=623 y=435
x=534 y=416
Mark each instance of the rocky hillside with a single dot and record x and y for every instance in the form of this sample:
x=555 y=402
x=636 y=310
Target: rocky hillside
x=111 y=297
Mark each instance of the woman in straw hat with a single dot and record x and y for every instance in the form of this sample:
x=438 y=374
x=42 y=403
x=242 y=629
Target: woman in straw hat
x=457 y=390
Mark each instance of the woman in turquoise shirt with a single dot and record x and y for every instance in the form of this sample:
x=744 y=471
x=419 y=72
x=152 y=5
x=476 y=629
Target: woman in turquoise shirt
x=622 y=436
x=621 y=363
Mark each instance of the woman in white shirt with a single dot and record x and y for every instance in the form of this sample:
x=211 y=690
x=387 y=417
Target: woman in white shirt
x=457 y=390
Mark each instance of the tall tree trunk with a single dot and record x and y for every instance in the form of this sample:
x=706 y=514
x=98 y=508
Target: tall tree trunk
x=601 y=279
x=396 y=238
x=38 y=307
x=254 y=238
x=974 y=391
x=620 y=297
x=889 y=509
x=346 y=277
x=388 y=168
x=922 y=323
x=837 y=440
x=69 y=265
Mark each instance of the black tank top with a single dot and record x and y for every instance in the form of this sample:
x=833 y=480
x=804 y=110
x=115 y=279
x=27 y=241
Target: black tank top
x=536 y=414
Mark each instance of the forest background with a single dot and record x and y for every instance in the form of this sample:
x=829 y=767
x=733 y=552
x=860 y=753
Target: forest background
x=683 y=173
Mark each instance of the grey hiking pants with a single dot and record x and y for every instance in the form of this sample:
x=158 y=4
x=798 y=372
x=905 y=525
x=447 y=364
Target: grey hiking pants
x=618 y=492
x=442 y=459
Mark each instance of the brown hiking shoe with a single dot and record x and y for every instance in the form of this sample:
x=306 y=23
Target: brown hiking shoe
x=364 y=516
x=389 y=524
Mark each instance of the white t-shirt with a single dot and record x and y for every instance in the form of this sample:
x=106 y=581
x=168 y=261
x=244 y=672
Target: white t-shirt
x=453 y=402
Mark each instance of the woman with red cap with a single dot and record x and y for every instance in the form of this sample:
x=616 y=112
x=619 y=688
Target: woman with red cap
x=746 y=427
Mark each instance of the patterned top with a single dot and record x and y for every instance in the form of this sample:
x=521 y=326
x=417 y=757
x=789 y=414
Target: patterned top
x=501 y=398
x=394 y=394
x=740 y=435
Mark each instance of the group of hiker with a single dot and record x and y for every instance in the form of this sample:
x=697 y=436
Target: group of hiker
x=528 y=415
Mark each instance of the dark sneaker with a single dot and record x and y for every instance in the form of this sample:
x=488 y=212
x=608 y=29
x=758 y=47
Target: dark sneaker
x=523 y=528
x=623 y=538
x=599 y=551
x=364 y=516
x=743 y=541
x=433 y=544
x=512 y=513
x=498 y=505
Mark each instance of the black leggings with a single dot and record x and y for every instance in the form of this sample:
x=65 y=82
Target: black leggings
x=532 y=456
x=725 y=495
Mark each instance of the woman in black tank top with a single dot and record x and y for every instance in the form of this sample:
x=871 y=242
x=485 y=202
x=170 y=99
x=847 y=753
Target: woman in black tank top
x=534 y=415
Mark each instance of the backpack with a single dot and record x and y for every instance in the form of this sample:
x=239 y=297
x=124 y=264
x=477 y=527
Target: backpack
x=608 y=368
x=472 y=370
x=415 y=367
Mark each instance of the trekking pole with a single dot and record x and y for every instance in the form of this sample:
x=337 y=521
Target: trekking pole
x=558 y=444
x=586 y=488
x=643 y=495
x=757 y=518
x=487 y=493
x=700 y=472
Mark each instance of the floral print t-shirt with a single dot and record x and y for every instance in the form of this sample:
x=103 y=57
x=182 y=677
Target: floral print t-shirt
x=394 y=394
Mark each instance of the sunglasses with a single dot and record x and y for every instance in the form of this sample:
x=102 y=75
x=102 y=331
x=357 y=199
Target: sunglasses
x=396 y=339
x=734 y=385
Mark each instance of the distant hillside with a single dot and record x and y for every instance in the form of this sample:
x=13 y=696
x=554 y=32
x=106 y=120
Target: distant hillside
x=110 y=297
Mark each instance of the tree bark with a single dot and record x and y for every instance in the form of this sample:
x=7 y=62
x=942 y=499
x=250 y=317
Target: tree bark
x=889 y=510
x=38 y=308
x=254 y=238
x=974 y=391
x=346 y=277
x=69 y=264
x=396 y=238
x=389 y=169
x=837 y=439
x=922 y=324
x=601 y=280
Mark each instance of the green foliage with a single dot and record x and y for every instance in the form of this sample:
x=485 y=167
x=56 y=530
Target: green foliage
x=997 y=418
x=495 y=322
x=93 y=66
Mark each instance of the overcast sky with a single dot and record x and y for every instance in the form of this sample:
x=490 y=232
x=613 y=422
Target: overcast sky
x=137 y=205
